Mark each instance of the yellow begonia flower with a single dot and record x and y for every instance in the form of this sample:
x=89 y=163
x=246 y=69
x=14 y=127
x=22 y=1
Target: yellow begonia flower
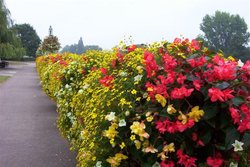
x=133 y=91
x=171 y=109
x=138 y=98
x=162 y=155
x=132 y=137
x=116 y=160
x=122 y=101
x=196 y=114
x=137 y=144
x=93 y=158
x=138 y=129
x=169 y=148
x=183 y=118
x=161 y=99
x=166 y=149
x=150 y=118
x=150 y=89
x=150 y=149
x=231 y=58
x=111 y=132
x=122 y=145
x=148 y=98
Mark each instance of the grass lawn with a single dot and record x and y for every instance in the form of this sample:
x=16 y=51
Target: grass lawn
x=16 y=63
x=3 y=78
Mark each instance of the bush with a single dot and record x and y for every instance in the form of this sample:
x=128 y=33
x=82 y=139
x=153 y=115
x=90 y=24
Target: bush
x=165 y=104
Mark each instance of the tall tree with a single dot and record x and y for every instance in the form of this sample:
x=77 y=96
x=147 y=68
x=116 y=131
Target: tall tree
x=226 y=32
x=30 y=39
x=10 y=44
x=50 y=44
x=80 y=46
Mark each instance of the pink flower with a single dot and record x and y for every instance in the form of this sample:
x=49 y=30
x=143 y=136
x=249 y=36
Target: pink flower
x=227 y=94
x=246 y=67
x=185 y=160
x=235 y=115
x=195 y=45
x=120 y=56
x=214 y=161
x=104 y=71
x=167 y=164
x=216 y=94
x=151 y=66
x=131 y=48
x=166 y=125
x=180 y=93
x=177 y=40
x=169 y=62
x=107 y=81
x=197 y=84
x=218 y=60
x=244 y=125
x=181 y=78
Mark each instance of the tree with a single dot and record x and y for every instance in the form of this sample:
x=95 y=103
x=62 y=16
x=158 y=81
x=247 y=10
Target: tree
x=10 y=44
x=80 y=46
x=50 y=44
x=30 y=39
x=226 y=32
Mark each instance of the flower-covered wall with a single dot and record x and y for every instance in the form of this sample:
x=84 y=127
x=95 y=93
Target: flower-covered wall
x=164 y=104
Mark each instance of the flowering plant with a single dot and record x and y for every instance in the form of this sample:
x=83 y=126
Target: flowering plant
x=166 y=104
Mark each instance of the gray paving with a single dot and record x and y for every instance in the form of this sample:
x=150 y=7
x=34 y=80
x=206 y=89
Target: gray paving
x=28 y=133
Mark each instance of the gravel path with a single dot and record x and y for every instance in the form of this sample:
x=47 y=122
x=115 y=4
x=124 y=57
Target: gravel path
x=28 y=133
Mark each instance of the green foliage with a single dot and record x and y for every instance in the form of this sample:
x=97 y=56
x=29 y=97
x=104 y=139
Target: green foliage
x=30 y=39
x=10 y=45
x=226 y=32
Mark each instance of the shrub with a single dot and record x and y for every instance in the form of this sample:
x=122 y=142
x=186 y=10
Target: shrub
x=165 y=104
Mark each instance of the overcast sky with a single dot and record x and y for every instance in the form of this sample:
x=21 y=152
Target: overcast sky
x=107 y=22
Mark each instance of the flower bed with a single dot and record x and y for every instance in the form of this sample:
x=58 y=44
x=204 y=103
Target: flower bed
x=165 y=104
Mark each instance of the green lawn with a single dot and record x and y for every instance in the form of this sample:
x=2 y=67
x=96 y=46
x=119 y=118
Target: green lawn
x=16 y=63
x=3 y=78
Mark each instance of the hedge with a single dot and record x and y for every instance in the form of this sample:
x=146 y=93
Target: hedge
x=163 y=104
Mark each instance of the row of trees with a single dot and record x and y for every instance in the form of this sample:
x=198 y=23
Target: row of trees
x=80 y=48
x=10 y=44
x=30 y=39
x=227 y=33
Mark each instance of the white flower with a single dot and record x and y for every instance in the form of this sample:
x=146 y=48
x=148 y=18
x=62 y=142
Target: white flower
x=67 y=86
x=156 y=164
x=138 y=78
x=145 y=95
x=86 y=86
x=123 y=74
x=111 y=116
x=240 y=63
x=80 y=91
x=238 y=145
x=139 y=68
x=122 y=122
x=98 y=164
x=232 y=164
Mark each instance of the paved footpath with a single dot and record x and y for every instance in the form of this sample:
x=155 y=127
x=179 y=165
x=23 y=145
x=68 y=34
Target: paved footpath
x=28 y=133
